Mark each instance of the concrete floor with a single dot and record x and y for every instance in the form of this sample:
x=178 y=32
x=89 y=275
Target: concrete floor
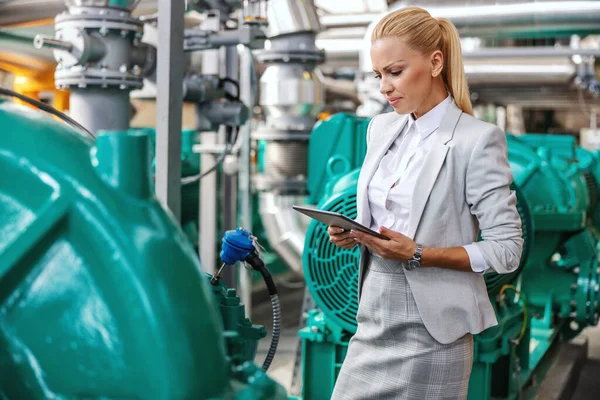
x=588 y=387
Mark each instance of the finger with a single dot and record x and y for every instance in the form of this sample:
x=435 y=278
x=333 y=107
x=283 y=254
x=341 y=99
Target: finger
x=365 y=238
x=390 y=233
x=372 y=242
x=334 y=230
x=335 y=238
x=347 y=242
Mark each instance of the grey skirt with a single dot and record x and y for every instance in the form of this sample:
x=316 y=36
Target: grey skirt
x=392 y=355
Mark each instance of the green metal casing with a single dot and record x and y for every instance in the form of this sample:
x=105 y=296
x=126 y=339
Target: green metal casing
x=101 y=294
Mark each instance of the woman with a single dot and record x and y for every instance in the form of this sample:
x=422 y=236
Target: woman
x=432 y=179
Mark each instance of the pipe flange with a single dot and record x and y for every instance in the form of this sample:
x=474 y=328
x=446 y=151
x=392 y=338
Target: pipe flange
x=80 y=77
x=274 y=134
x=291 y=56
x=104 y=20
x=290 y=186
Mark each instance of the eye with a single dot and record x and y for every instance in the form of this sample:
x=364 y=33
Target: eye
x=377 y=76
x=396 y=73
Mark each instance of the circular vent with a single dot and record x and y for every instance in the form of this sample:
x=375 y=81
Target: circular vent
x=331 y=272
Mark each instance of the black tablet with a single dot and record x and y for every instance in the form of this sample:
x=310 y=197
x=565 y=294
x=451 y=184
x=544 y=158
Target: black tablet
x=338 y=220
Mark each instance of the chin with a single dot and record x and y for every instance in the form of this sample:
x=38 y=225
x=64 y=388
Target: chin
x=401 y=110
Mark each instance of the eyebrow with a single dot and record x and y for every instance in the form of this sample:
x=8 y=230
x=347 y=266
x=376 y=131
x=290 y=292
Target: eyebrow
x=387 y=67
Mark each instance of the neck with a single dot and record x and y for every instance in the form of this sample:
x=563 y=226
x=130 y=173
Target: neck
x=438 y=94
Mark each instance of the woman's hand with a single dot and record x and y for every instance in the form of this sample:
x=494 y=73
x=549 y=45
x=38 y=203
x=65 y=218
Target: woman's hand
x=340 y=238
x=399 y=247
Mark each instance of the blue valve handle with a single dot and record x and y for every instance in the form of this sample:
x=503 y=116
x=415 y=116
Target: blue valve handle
x=237 y=246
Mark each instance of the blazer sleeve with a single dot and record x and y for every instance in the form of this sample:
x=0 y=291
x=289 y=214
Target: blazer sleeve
x=493 y=203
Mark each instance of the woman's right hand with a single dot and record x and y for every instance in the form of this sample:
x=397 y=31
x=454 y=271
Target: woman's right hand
x=340 y=237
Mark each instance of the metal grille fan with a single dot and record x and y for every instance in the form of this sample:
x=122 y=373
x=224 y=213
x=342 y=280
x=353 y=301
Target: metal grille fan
x=331 y=273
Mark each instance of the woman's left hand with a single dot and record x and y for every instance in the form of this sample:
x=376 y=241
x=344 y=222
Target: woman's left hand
x=399 y=247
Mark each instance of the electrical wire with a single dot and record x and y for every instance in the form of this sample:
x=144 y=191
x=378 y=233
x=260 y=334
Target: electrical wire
x=234 y=131
x=188 y=180
x=523 y=302
x=47 y=108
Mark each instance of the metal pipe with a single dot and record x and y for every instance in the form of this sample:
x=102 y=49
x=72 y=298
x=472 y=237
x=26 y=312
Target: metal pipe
x=529 y=52
x=229 y=69
x=43 y=41
x=496 y=18
x=284 y=227
x=100 y=109
x=208 y=184
x=348 y=49
x=291 y=94
x=248 y=97
x=541 y=71
x=30 y=12
x=170 y=70
x=16 y=13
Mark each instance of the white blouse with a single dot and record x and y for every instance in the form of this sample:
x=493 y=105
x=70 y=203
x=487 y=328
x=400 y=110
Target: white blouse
x=390 y=190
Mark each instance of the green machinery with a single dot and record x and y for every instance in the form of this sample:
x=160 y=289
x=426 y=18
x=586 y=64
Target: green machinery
x=547 y=301
x=101 y=294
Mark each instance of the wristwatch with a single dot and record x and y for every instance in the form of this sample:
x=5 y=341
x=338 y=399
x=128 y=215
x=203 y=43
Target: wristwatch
x=415 y=262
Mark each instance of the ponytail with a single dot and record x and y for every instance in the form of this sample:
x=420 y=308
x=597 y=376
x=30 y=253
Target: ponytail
x=454 y=71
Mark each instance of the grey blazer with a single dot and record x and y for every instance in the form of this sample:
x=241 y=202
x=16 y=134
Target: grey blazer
x=463 y=188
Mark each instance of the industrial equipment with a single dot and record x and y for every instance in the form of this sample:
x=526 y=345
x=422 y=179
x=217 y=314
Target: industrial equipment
x=550 y=298
x=101 y=295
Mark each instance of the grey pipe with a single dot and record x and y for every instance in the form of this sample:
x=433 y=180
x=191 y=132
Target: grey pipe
x=529 y=52
x=494 y=18
x=20 y=12
x=518 y=71
x=97 y=108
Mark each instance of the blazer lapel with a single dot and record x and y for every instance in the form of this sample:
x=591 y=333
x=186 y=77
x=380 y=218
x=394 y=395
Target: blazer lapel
x=372 y=160
x=431 y=168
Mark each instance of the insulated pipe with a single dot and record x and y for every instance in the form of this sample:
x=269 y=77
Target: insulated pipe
x=495 y=18
x=520 y=71
x=284 y=227
x=291 y=94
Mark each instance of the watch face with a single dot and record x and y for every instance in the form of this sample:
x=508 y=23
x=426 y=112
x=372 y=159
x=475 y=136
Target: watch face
x=412 y=264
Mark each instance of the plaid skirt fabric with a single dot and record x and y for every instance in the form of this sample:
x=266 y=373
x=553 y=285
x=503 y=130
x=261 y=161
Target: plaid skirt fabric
x=392 y=355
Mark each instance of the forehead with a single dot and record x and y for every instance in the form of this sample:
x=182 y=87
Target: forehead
x=390 y=50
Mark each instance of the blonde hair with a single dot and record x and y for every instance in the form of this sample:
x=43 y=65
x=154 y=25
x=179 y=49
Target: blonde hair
x=423 y=33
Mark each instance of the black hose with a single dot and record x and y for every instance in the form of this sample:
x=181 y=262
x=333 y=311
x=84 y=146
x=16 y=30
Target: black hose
x=46 y=108
x=254 y=260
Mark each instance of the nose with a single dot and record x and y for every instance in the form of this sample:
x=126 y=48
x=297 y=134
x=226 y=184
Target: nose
x=385 y=86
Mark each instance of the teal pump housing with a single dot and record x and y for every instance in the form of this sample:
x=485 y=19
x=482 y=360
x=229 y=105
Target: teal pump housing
x=101 y=294
x=550 y=298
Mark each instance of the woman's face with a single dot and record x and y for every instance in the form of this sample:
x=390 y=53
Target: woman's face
x=407 y=77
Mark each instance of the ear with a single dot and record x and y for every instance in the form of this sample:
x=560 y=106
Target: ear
x=437 y=63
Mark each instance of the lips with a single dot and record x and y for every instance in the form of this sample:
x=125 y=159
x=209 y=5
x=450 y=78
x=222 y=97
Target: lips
x=394 y=100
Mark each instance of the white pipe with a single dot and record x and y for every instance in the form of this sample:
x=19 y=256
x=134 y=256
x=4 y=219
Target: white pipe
x=208 y=184
x=284 y=228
